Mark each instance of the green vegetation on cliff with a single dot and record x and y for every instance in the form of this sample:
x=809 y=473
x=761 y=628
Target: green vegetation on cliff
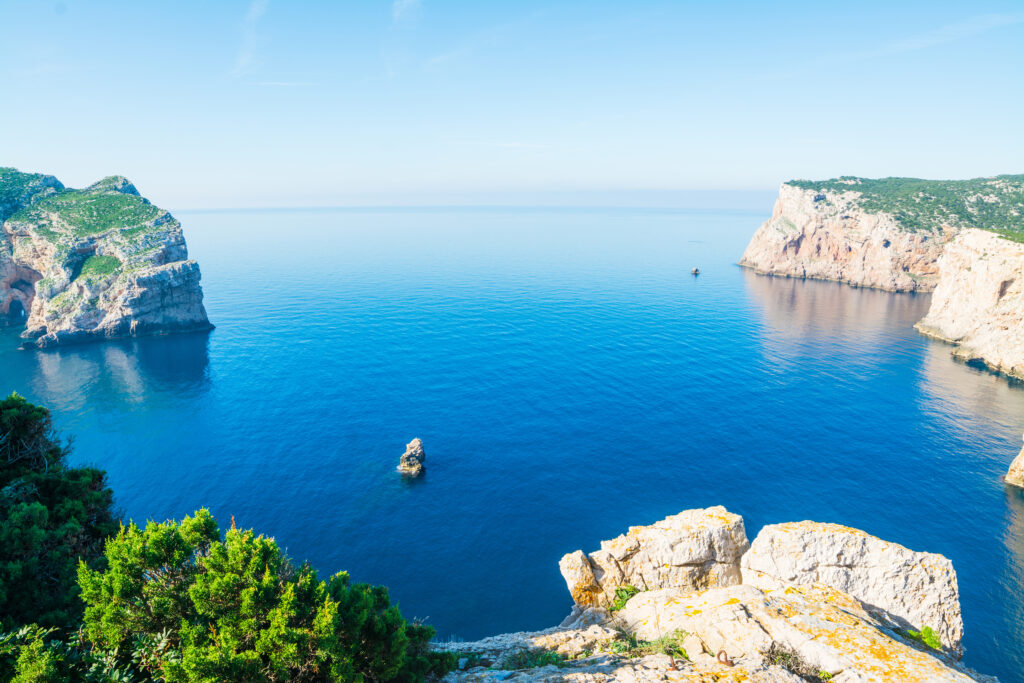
x=81 y=213
x=173 y=602
x=18 y=189
x=97 y=266
x=995 y=204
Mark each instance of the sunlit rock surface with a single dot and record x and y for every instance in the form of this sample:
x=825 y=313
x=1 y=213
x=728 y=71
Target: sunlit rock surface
x=97 y=263
x=695 y=549
x=791 y=627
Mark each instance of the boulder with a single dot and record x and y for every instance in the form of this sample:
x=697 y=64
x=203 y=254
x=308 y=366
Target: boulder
x=1015 y=475
x=902 y=588
x=411 y=462
x=695 y=549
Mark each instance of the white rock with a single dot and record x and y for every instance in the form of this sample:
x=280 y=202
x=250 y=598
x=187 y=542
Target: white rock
x=979 y=301
x=828 y=629
x=694 y=549
x=1015 y=475
x=907 y=589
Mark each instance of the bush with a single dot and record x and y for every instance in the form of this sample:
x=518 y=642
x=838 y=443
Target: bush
x=926 y=636
x=622 y=596
x=178 y=603
x=51 y=515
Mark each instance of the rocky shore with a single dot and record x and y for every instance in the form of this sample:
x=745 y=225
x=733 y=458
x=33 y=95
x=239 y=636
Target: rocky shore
x=92 y=264
x=690 y=599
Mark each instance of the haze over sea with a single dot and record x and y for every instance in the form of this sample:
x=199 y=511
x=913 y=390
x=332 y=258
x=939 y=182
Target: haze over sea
x=569 y=378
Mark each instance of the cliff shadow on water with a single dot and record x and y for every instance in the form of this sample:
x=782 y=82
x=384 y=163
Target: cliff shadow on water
x=799 y=308
x=122 y=371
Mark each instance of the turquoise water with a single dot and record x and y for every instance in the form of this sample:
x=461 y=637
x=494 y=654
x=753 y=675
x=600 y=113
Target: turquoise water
x=569 y=379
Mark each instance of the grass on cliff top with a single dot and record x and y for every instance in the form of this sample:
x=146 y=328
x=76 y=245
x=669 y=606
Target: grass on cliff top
x=99 y=266
x=89 y=212
x=995 y=204
x=15 y=185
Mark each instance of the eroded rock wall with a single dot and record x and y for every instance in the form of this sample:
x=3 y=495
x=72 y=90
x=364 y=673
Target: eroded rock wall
x=828 y=236
x=979 y=301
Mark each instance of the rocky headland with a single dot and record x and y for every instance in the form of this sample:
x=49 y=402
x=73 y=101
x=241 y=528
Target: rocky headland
x=97 y=263
x=887 y=233
x=689 y=598
x=960 y=239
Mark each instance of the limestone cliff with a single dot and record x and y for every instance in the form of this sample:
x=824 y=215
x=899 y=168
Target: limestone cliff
x=804 y=601
x=97 y=263
x=886 y=233
x=979 y=302
x=828 y=235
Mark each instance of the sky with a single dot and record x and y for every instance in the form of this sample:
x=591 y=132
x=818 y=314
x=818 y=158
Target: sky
x=270 y=103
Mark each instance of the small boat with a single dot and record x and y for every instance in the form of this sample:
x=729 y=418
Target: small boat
x=695 y=271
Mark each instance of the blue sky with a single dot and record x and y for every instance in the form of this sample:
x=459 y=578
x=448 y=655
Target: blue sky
x=273 y=103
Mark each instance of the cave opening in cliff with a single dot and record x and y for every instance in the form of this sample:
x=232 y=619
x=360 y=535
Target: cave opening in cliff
x=16 y=313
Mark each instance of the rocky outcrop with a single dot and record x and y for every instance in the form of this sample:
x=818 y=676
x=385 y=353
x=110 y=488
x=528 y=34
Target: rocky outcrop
x=979 y=302
x=790 y=625
x=901 y=588
x=829 y=632
x=1015 y=475
x=97 y=263
x=830 y=235
x=695 y=549
x=411 y=462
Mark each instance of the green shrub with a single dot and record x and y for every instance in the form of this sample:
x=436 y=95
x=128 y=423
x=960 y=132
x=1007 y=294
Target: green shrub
x=193 y=607
x=926 y=636
x=622 y=596
x=51 y=517
x=97 y=266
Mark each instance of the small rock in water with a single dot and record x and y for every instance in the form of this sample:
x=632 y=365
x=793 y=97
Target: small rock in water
x=412 y=460
x=1015 y=475
x=695 y=271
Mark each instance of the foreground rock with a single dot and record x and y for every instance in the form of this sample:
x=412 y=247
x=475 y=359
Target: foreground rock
x=411 y=462
x=98 y=263
x=791 y=627
x=1015 y=475
x=979 y=302
x=695 y=549
x=900 y=587
x=829 y=235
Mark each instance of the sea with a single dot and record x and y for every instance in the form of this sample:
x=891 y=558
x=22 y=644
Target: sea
x=569 y=378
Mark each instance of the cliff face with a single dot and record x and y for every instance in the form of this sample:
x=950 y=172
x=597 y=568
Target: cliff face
x=97 y=263
x=829 y=234
x=979 y=301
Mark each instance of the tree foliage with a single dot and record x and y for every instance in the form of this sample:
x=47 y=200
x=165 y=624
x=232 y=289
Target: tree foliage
x=51 y=515
x=179 y=604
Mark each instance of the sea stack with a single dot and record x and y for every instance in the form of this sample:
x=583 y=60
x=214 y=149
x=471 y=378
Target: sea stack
x=411 y=462
x=92 y=264
x=1015 y=475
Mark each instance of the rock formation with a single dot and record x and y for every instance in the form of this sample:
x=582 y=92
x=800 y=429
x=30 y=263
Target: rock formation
x=1015 y=475
x=98 y=263
x=695 y=549
x=899 y=587
x=828 y=235
x=792 y=624
x=411 y=462
x=979 y=302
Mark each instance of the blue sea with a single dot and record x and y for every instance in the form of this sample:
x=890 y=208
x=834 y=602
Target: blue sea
x=569 y=378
